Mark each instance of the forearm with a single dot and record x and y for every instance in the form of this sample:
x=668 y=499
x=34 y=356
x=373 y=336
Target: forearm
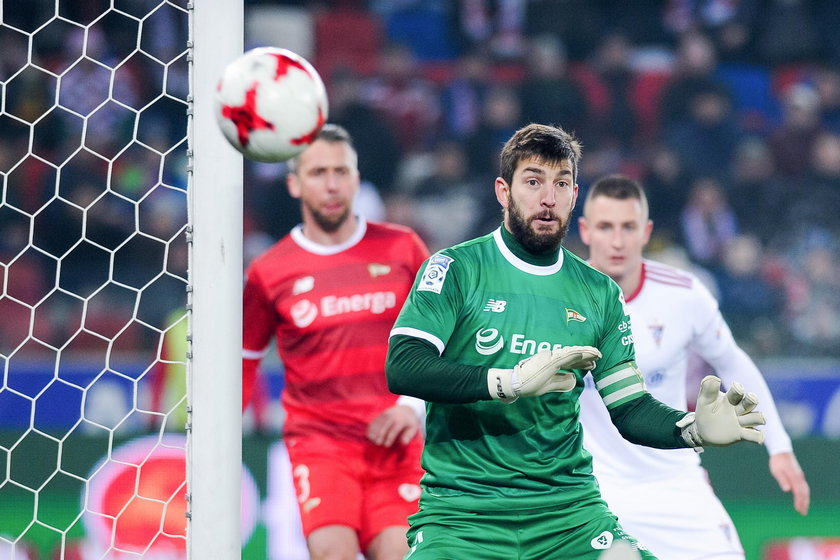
x=413 y=367
x=646 y=421
x=736 y=365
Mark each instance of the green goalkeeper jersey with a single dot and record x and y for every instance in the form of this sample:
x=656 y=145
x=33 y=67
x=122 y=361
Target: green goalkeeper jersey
x=481 y=303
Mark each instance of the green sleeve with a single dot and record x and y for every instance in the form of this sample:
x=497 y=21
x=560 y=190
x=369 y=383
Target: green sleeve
x=647 y=421
x=414 y=367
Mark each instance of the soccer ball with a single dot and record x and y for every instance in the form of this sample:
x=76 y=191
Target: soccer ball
x=270 y=104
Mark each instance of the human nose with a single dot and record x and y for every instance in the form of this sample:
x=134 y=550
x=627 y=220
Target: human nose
x=549 y=197
x=332 y=181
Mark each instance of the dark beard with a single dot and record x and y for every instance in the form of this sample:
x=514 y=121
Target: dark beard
x=532 y=241
x=329 y=225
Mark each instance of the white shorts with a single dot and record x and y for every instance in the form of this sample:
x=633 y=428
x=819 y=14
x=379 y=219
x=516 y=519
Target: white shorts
x=678 y=518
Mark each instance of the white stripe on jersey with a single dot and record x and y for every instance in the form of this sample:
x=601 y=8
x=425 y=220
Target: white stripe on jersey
x=621 y=393
x=615 y=377
x=417 y=333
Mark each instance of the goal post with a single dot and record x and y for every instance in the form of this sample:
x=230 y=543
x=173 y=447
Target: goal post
x=214 y=444
x=120 y=283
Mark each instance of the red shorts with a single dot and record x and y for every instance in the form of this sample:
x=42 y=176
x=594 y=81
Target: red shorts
x=360 y=485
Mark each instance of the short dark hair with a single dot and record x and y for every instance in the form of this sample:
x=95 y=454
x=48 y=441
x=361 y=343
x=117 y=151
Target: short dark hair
x=332 y=133
x=617 y=186
x=547 y=143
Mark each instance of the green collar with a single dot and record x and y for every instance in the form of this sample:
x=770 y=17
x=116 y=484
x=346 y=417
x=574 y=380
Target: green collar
x=543 y=259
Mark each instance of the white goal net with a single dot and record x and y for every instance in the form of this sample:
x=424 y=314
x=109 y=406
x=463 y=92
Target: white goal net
x=98 y=278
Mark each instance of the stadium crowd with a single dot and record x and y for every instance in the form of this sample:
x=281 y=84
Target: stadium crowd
x=727 y=111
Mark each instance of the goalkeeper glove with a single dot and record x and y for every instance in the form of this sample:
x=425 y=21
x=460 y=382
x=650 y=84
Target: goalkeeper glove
x=722 y=419
x=540 y=374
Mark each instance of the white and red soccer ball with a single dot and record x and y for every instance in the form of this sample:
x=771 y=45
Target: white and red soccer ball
x=270 y=104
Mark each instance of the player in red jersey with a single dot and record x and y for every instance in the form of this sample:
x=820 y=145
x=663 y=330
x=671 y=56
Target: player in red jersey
x=330 y=292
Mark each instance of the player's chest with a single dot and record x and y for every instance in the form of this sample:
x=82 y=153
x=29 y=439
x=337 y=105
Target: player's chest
x=343 y=292
x=662 y=335
x=525 y=321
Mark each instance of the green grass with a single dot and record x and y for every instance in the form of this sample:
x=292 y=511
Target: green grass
x=761 y=523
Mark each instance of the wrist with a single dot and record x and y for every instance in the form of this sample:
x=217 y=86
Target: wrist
x=501 y=383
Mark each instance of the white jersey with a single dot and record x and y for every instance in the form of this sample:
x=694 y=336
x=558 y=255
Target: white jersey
x=672 y=316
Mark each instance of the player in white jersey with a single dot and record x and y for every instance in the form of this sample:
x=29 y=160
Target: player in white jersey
x=663 y=497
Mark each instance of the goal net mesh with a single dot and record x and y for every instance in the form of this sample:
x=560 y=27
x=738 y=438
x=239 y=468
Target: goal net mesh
x=93 y=255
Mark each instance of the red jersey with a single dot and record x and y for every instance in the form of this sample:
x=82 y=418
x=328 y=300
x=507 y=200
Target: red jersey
x=331 y=309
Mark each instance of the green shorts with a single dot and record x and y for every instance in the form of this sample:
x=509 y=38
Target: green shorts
x=438 y=534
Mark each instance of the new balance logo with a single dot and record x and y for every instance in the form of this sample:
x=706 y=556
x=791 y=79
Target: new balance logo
x=495 y=305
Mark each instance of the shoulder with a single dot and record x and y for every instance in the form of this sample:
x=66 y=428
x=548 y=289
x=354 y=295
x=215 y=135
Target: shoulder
x=658 y=273
x=586 y=271
x=388 y=229
x=278 y=251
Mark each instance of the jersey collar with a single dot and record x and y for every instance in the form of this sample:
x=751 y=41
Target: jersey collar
x=318 y=249
x=524 y=266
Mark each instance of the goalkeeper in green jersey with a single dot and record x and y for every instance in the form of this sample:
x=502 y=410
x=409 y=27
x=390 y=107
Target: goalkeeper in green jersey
x=496 y=336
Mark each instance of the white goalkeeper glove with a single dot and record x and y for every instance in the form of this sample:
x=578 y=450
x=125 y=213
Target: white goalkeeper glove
x=722 y=419
x=541 y=373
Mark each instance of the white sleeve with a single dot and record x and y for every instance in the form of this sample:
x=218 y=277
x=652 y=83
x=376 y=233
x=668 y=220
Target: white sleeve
x=715 y=344
x=415 y=404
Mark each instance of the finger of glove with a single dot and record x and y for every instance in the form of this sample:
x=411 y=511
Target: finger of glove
x=709 y=391
x=749 y=402
x=577 y=357
x=735 y=394
x=539 y=365
x=559 y=383
x=753 y=435
x=751 y=419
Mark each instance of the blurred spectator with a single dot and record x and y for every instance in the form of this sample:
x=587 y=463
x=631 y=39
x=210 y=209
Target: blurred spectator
x=816 y=313
x=826 y=80
x=787 y=32
x=667 y=182
x=758 y=194
x=730 y=23
x=501 y=116
x=582 y=31
x=818 y=206
x=462 y=97
x=708 y=222
x=409 y=102
x=494 y=24
x=706 y=137
x=549 y=95
x=374 y=137
x=696 y=60
x=618 y=124
x=792 y=141
x=450 y=203
x=748 y=300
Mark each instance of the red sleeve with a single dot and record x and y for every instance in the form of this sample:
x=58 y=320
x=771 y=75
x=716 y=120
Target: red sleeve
x=258 y=323
x=249 y=379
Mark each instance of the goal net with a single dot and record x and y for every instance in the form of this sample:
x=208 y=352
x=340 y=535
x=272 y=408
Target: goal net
x=107 y=296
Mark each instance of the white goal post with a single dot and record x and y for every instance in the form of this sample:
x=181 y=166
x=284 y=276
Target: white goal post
x=120 y=263
x=214 y=440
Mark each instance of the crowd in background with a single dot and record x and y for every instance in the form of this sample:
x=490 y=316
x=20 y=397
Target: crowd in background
x=728 y=111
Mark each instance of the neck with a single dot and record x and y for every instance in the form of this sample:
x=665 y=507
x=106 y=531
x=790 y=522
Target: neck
x=313 y=232
x=631 y=281
x=543 y=259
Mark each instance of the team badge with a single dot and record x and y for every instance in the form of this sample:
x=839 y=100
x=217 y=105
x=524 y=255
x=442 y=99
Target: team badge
x=656 y=332
x=434 y=274
x=602 y=541
x=572 y=315
x=376 y=269
x=303 y=285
